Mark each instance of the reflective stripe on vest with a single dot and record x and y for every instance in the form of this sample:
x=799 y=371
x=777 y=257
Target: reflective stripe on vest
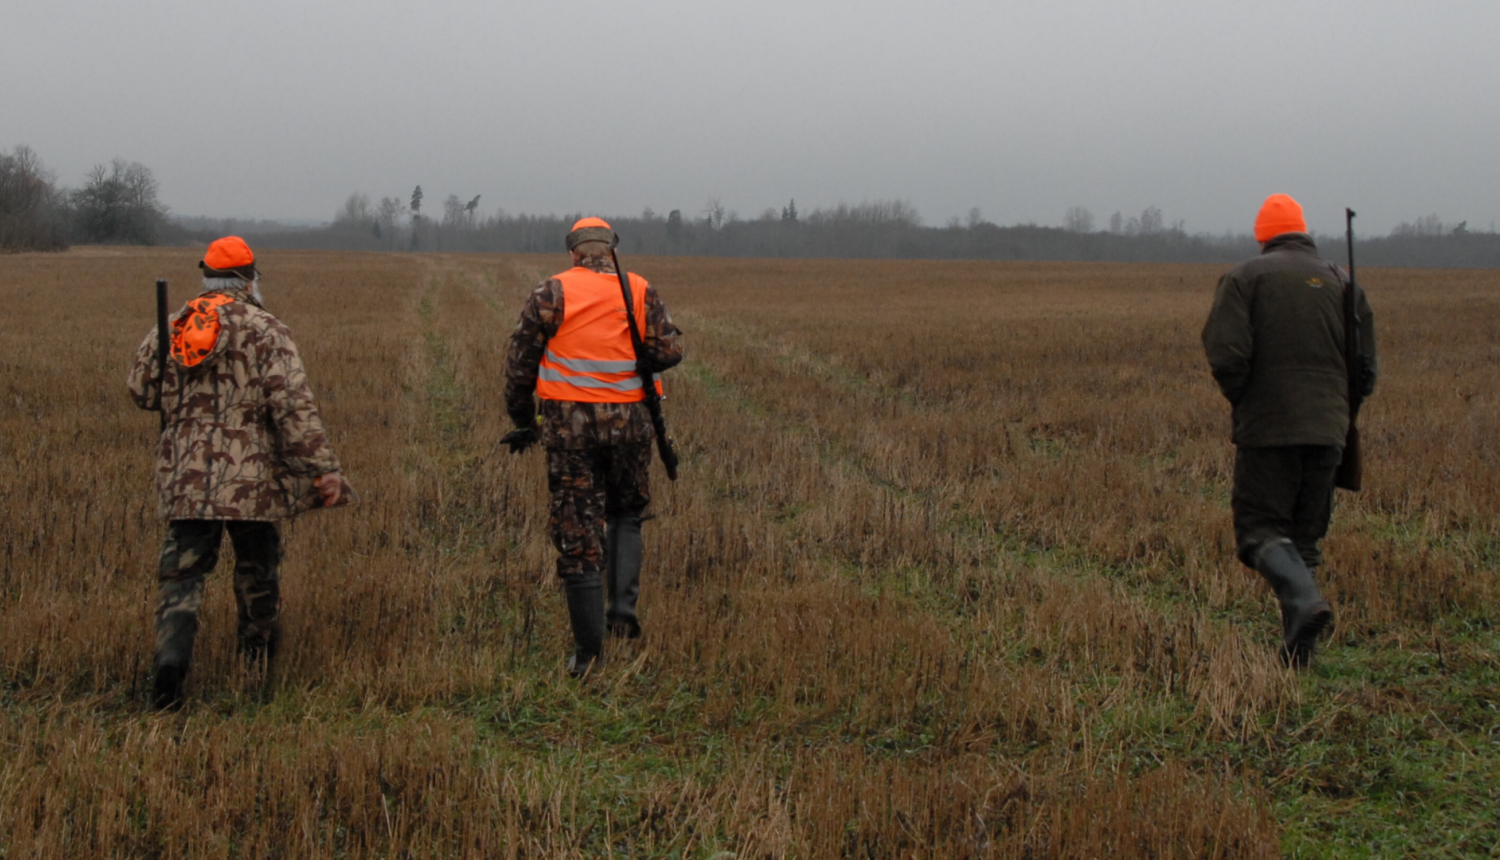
x=591 y=359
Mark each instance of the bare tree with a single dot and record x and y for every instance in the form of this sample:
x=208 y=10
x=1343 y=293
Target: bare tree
x=1116 y=222
x=1427 y=225
x=1151 y=221
x=975 y=218
x=1078 y=219
x=713 y=213
x=356 y=212
x=119 y=205
x=453 y=211
x=31 y=207
x=388 y=217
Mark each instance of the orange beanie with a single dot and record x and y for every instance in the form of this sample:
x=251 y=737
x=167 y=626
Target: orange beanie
x=591 y=230
x=1279 y=214
x=590 y=221
x=230 y=252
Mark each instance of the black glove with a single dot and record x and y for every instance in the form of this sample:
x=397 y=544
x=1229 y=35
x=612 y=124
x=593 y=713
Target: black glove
x=519 y=439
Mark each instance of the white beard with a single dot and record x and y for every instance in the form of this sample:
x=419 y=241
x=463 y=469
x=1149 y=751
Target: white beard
x=252 y=287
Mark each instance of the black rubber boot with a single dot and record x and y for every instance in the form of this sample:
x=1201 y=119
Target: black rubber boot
x=1304 y=612
x=585 y=595
x=623 y=576
x=259 y=648
x=166 y=692
x=175 y=632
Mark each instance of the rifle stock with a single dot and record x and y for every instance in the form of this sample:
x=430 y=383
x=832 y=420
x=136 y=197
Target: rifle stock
x=1351 y=473
x=163 y=345
x=648 y=382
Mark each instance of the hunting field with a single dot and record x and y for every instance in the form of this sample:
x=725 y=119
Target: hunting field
x=948 y=573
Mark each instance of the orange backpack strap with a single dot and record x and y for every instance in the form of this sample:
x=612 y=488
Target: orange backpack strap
x=196 y=330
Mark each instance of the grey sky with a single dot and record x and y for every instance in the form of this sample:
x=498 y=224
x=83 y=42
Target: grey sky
x=281 y=108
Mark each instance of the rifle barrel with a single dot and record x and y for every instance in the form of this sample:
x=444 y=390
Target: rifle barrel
x=648 y=380
x=163 y=344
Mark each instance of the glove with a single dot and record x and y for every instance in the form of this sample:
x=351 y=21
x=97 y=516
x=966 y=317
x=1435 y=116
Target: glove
x=519 y=439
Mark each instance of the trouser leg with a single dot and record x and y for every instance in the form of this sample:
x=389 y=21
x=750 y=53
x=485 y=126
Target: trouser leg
x=1266 y=484
x=257 y=587
x=627 y=495
x=576 y=526
x=1313 y=509
x=1282 y=499
x=189 y=551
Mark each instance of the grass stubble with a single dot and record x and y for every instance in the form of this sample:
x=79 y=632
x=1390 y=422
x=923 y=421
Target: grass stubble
x=949 y=573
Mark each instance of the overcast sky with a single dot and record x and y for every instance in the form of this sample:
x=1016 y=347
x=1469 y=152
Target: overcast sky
x=281 y=108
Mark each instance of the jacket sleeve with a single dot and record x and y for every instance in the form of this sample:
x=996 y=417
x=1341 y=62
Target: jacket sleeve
x=142 y=382
x=302 y=445
x=663 y=340
x=1228 y=339
x=540 y=317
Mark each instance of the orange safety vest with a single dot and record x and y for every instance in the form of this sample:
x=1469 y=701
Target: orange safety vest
x=195 y=332
x=591 y=359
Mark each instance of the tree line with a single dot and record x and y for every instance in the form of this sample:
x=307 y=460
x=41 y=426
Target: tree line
x=878 y=229
x=117 y=204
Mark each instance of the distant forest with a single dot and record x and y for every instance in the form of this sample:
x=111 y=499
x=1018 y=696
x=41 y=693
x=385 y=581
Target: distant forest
x=117 y=204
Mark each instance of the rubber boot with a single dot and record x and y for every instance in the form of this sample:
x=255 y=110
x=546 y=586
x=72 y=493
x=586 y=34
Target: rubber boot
x=166 y=692
x=623 y=576
x=176 y=628
x=585 y=595
x=259 y=648
x=1304 y=612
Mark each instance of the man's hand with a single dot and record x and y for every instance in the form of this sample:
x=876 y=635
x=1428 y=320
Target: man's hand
x=330 y=486
x=519 y=439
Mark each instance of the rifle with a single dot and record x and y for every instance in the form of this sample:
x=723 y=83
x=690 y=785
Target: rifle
x=1350 y=474
x=162 y=345
x=648 y=381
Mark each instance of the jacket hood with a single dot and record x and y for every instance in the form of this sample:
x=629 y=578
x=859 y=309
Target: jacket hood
x=198 y=329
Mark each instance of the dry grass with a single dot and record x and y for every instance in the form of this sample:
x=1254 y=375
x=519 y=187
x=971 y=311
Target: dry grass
x=948 y=574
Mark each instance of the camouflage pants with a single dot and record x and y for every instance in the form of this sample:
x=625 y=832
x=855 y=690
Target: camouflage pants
x=589 y=485
x=189 y=553
x=1283 y=492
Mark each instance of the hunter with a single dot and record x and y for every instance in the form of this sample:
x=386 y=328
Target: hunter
x=573 y=350
x=241 y=449
x=1275 y=343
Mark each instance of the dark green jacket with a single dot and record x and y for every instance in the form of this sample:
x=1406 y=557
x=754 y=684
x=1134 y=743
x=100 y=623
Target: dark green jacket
x=1275 y=343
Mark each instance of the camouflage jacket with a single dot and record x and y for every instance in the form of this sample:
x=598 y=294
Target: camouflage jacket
x=569 y=424
x=243 y=440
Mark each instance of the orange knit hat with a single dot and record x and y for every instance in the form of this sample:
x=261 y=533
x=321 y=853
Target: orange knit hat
x=592 y=229
x=229 y=254
x=1279 y=214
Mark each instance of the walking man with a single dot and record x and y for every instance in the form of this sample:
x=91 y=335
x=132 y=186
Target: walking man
x=573 y=350
x=242 y=448
x=1275 y=343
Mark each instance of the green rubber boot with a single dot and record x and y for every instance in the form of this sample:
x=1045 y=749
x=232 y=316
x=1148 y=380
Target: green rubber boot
x=623 y=539
x=585 y=595
x=1304 y=612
